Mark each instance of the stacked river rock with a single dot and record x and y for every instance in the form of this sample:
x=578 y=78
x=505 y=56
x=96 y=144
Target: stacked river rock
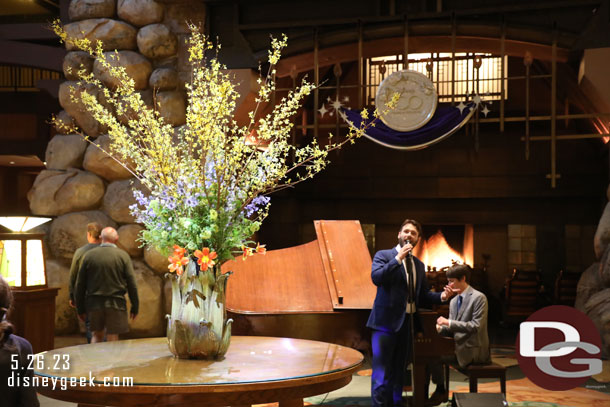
x=81 y=184
x=593 y=295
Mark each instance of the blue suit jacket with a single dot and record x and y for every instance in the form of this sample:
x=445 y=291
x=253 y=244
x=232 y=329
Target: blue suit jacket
x=389 y=309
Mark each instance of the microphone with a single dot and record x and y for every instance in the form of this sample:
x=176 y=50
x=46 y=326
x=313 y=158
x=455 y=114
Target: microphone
x=410 y=254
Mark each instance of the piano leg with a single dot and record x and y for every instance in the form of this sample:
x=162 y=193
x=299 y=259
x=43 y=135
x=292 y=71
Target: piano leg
x=420 y=385
x=446 y=369
x=426 y=383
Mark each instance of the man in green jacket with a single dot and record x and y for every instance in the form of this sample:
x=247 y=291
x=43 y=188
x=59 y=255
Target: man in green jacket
x=105 y=275
x=94 y=239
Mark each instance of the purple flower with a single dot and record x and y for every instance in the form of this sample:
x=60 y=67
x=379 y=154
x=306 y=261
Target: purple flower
x=261 y=200
x=257 y=203
x=191 y=201
x=140 y=198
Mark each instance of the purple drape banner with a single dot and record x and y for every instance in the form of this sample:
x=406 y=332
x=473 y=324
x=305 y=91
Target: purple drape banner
x=445 y=121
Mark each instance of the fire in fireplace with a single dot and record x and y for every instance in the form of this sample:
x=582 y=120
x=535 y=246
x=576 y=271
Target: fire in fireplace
x=442 y=245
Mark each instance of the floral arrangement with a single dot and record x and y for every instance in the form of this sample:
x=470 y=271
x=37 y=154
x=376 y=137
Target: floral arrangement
x=204 y=190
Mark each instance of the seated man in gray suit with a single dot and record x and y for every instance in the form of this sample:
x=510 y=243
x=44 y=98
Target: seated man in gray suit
x=467 y=324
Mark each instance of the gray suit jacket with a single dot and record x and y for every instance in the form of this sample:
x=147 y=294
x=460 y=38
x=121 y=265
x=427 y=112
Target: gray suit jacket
x=469 y=328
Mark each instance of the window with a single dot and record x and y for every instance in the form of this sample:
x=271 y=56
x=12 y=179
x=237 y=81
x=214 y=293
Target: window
x=22 y=78
x=438 y=67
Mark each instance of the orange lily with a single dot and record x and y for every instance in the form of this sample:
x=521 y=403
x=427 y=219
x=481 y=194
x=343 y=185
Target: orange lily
x=248 y=251
x=205 y=258
x=176 y=263
x=261 y=248
x=179 y=251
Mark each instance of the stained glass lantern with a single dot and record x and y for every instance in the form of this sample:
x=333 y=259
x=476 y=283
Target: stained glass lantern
x=22 y=264
x=21 y=254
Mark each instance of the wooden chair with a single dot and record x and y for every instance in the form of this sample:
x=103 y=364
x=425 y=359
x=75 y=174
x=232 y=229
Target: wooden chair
x=565 y=288
x=521 y=294
x=492 y=370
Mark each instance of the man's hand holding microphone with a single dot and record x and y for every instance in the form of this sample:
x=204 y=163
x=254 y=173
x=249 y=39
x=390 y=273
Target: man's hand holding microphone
x=404 y=251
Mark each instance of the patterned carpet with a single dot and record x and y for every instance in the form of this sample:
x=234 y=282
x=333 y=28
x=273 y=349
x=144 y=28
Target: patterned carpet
x=522 y=392
x=506 y=361
x=504 y=356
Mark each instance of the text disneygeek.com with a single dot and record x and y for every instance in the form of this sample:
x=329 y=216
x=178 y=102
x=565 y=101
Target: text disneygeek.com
x=16 y=380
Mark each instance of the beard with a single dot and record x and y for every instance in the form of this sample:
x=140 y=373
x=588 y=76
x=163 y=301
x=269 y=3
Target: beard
x=403 y=242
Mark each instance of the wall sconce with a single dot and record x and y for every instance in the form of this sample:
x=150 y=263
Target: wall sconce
x=22 y=264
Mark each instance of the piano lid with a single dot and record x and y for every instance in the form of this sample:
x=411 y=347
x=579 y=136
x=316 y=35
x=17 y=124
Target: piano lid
x=329 y=274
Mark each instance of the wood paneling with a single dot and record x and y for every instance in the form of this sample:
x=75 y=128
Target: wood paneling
x=18 y=126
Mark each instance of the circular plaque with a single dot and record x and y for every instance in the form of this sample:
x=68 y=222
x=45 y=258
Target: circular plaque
x=416 y=104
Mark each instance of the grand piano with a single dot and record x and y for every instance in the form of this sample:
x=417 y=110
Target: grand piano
x=321 y=290
x=429 y=347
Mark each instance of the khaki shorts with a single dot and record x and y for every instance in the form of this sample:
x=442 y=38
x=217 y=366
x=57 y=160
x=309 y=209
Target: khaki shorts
x=115 y=321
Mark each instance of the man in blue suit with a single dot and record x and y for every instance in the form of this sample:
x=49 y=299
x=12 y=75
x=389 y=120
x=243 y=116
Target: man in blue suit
x=397 y=296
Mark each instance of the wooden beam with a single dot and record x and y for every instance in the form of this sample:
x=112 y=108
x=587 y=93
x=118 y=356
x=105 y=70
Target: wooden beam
x=361 y=78
x=393 y=46
x=52 y=6
x=50 y=85
x=569 y=137
x=316 y=80
x=33 y=55
x=533 y=6
x=553 y=175
x=64 y=6
x=26 y=31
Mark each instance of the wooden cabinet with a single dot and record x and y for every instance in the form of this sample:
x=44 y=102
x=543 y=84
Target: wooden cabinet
x=22 y=264
x=33 y=315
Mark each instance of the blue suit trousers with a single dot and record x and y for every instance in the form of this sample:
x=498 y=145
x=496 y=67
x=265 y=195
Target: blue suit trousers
x=390 y=353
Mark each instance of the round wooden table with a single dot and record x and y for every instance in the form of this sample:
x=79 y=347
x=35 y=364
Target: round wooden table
x=255 y=370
